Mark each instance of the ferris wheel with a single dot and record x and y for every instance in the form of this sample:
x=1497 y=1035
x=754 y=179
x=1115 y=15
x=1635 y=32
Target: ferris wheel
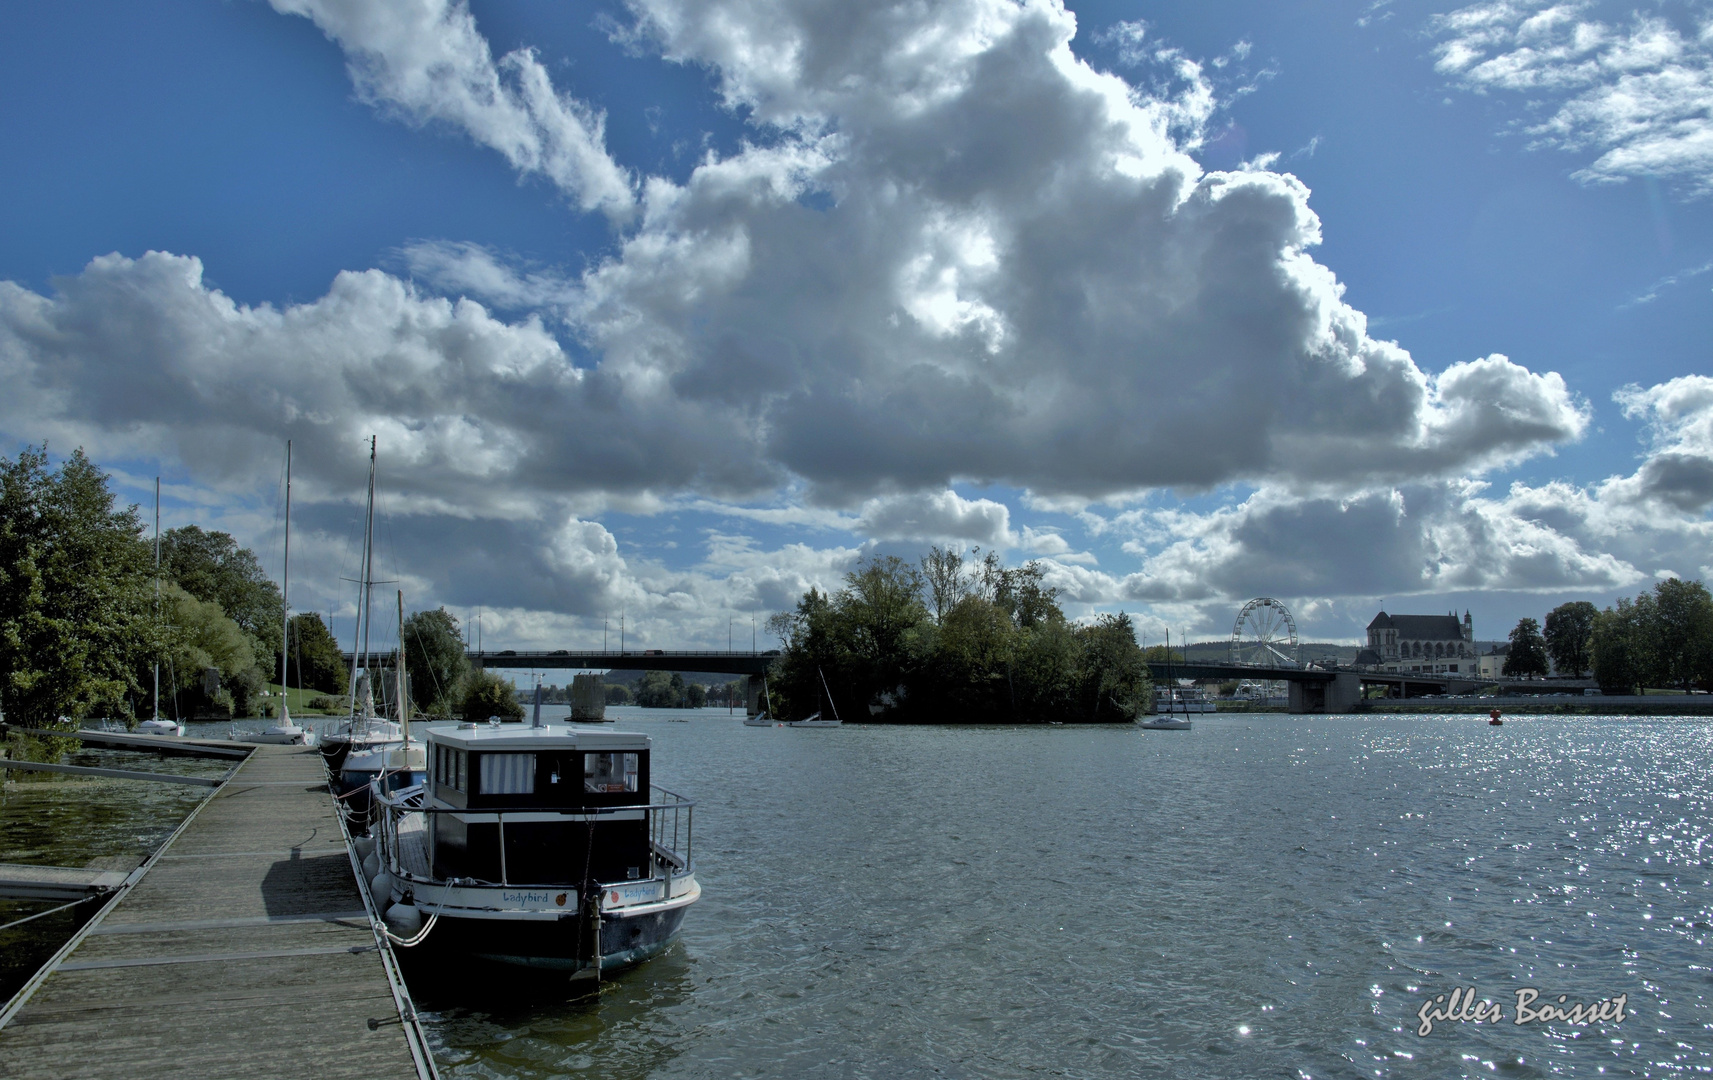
x=1264 y=635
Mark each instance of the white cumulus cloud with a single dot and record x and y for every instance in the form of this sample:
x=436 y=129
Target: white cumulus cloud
x=427 y=61
x=1637 y=93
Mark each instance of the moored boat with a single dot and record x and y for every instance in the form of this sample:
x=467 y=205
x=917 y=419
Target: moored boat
x=538 y=846
x=1164 y=724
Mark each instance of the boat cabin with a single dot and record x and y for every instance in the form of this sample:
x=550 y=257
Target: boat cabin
x=518 y=805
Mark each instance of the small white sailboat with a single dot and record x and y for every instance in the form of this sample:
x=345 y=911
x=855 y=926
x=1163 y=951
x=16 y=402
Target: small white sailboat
x=284 y=732
x=815 y=720
x=156 y=724
x=762 y=719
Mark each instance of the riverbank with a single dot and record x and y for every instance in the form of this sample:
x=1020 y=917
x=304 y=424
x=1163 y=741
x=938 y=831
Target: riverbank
x=1544 y=705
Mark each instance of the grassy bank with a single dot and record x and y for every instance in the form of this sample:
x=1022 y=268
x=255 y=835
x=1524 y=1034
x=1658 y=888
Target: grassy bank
x=298 y=699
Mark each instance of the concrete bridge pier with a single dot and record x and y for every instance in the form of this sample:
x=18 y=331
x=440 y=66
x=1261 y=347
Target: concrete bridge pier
x=755 y=704
x=1338 y=695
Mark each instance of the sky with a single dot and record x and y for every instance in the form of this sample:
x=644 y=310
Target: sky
x=668 y=310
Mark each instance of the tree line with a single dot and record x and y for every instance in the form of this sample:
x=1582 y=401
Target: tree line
x=1662 y=638
x=85 y=617
x=953 y=639
x=83 y=622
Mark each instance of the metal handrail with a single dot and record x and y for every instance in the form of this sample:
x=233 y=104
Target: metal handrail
x=389 y=808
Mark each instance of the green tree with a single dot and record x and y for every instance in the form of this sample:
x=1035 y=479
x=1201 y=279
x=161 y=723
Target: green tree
x=213 y=568
x=660 y=690
x=200 y=638
x=316 y=661
x=1617 y=647
x=695 y=696
x=943 y=576
x=76 y=597
x=996 y=648
x=435 y=660
x=1113 y=678
x=485 y=694
x=1528 y=650
x=618 y=694
x=1568 y=627
x=1682 y=632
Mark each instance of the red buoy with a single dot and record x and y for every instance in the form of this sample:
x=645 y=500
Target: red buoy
x=1493 y=718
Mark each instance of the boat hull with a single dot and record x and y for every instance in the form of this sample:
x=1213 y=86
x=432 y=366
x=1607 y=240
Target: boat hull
x=556 y=941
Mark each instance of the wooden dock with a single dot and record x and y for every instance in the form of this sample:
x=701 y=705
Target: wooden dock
x=19 y=882
x=243 y=948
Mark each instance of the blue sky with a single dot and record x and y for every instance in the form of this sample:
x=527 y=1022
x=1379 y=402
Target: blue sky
x=745 y=292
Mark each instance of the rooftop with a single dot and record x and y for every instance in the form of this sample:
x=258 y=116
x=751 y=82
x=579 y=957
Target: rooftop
x=514 y=736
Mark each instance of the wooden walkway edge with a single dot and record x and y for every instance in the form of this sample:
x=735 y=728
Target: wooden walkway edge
x=244 y=947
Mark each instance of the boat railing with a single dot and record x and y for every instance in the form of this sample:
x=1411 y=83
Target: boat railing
x=670 y=816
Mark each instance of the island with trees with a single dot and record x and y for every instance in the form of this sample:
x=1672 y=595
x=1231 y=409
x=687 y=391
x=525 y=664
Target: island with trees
x=953 y=640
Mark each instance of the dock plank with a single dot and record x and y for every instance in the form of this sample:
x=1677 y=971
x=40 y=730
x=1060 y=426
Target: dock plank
x=236 y=954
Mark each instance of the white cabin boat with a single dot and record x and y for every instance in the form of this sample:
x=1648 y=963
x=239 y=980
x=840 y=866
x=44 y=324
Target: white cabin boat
x=1182 y=700
x=539 y=846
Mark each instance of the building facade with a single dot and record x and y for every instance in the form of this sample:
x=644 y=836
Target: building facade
x=1438 y=644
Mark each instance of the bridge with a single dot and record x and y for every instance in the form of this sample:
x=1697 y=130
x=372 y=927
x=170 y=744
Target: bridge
x=742 y=662
x=1311 y=689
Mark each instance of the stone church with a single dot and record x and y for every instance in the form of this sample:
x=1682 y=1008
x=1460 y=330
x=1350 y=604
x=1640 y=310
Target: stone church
x=1426 y=643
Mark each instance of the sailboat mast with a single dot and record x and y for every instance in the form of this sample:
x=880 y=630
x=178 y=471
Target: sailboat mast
x=404 y=713
x=157 y=714
x=285 y=596
x=368 y=615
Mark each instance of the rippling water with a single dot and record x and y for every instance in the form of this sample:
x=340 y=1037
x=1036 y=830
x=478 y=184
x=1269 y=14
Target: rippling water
x=56 y=820
x=1262 y=896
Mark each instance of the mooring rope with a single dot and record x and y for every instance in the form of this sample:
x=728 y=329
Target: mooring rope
x=50 y=911
x=411 y=942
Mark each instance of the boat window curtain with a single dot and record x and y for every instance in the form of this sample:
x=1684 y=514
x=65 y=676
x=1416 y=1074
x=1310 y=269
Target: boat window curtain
x=508 y=774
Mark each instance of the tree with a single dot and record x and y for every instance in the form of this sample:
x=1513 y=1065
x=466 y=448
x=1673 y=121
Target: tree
x=77 y=627
x=1682 y=632
x=1528 y=650
x=695 y=696
x=660 y=690
x=618 y=694
x=996 y=648
x=1568 y=627
x=487 y=695
x=435 y=659
x=316 y=661
x=200 y=638
x=1616 y=646
x=213 y=568
x=1113 y=683
x=943 y=575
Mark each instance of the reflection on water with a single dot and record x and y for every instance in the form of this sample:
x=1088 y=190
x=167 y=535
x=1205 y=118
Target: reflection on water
x=1261 y=896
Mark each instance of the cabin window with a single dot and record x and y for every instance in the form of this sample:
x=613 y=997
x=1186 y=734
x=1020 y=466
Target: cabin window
x=508 y=774
x=449 y=767
x=609 y=772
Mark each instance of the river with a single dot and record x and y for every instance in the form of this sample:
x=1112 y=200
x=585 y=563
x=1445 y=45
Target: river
x=1266 y=896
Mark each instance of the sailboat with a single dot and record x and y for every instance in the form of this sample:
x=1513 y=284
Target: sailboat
x=155 y=725
x=1167 y=700
x=764 y=719
x=815 y=720
x=284 y=732
x=361 y=728
x=389 y=764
